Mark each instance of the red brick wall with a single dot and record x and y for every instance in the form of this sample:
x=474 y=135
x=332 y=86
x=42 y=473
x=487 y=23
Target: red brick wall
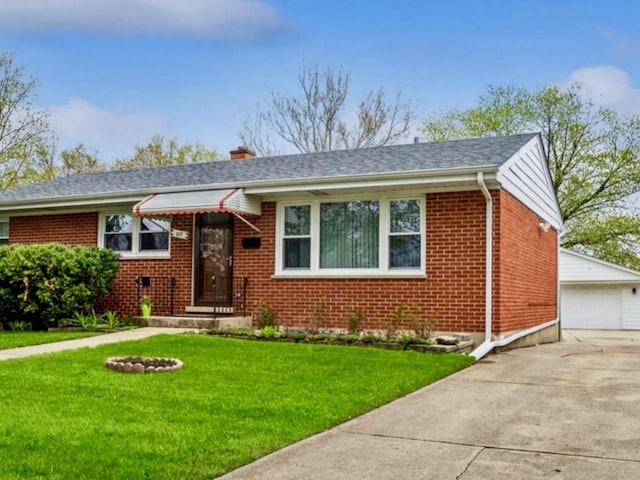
x=124 y=298
x=71 y=229
x=525 y=270
x=453 y=289
x=524 y=280
x=82 y=229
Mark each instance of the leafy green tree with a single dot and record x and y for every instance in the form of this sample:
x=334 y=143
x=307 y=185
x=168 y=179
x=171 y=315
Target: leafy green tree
x=593 y=156
x=49 y=165
x=24 y=129
x=162 y=152
x=314 y=120
x=79 y=160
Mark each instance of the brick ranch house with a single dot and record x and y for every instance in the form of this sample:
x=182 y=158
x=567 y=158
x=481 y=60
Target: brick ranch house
x=465 y=230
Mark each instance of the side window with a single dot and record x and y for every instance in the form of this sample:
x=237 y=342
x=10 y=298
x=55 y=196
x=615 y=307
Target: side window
x=405 y=239
x=4 y=232
x=297 y=236
x=124 y=233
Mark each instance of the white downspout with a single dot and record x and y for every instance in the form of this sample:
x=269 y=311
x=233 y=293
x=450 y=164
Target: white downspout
x=489 y=344
x=486 y=346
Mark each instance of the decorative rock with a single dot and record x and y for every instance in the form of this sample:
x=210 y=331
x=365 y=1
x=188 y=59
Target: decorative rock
x=447 y=340
x=143 y=365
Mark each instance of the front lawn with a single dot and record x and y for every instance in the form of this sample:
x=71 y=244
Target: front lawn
x=66 y=416
x=24 y=339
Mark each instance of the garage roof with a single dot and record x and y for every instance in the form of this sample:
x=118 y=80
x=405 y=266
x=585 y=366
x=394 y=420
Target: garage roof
x=579 y=268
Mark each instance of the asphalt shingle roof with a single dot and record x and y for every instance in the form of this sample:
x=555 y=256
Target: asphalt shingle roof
x=428 y=157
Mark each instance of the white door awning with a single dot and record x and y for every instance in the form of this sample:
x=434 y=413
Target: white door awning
x=232 y=201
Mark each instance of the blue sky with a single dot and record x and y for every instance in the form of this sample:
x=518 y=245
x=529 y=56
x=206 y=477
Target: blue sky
x=114 y=72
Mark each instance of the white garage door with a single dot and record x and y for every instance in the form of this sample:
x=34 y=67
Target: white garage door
x=598 y=307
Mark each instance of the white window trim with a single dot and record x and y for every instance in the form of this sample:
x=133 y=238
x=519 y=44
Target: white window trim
x=383 y=271
x=135 y=253
x=5 y=220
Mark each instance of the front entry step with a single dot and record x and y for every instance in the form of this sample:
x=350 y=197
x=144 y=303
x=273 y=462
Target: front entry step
x=193 y=322
x=208 y=310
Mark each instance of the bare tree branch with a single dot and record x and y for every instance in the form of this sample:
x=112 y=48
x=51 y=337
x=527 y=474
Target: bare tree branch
x=315 y=121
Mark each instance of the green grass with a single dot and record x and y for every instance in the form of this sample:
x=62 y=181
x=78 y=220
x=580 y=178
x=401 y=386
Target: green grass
x=23 y=339
x=65 y=416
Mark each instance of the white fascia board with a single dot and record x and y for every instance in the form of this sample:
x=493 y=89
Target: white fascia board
x=80 y=203
x=400 y=179
x=374 y=181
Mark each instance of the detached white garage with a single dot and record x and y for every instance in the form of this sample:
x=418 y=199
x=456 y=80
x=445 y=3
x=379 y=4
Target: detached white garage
x=596 y=294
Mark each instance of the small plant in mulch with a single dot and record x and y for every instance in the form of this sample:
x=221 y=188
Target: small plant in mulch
x=320 y=314
x=266 y=315
x=355 y=317
x=108 y=321
x=20 y=326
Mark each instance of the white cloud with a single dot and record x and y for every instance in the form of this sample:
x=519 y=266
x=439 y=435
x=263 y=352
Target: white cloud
x=112 y=133
x=610 y=86
x=204 y=18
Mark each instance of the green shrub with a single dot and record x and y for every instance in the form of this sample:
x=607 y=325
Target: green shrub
x=266 y=316
x=44 y=283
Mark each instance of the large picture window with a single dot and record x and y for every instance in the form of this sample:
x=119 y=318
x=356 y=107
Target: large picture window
x=361 y=237
x=129 y=235
x=349 y=234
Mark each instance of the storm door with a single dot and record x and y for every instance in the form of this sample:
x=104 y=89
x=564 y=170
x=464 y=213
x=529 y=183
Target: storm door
x=213 y=258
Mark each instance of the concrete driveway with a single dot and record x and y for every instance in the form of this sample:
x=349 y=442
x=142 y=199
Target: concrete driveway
x=569 y=410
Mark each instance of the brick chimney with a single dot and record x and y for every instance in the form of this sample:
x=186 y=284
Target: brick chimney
x=242 y=153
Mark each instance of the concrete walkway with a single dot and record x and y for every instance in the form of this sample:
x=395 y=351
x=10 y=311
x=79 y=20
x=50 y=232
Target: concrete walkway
x=569 y=410
x=125 y=335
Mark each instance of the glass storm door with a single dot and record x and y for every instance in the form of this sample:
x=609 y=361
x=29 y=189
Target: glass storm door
x=213 y=258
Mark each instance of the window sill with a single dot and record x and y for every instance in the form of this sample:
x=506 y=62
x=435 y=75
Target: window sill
x=363 y=275
x=144 y=256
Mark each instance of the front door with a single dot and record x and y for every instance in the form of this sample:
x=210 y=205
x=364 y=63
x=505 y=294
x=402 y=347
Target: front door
x=213 y=258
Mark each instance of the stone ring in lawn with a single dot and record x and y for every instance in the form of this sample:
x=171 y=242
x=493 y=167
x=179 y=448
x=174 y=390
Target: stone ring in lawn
x=143 y=365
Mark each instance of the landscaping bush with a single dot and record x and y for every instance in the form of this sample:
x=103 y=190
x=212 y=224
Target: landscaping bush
x=44 y=283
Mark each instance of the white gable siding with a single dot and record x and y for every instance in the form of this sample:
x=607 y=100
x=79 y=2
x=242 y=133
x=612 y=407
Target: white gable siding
x=576 y=268
x=526 y=176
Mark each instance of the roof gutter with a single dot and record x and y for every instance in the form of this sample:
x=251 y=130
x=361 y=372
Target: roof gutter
x=257 y=187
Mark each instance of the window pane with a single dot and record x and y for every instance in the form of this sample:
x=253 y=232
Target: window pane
x=404 y=251
x=119 y=224
x=118 y=232
x=297 y=252
x=154 y=241
x=297 y=220
x=349 y=234
x=120 y=242
x=4 y=230
x=405 y=216
x=154 y=233
x=149 y=224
